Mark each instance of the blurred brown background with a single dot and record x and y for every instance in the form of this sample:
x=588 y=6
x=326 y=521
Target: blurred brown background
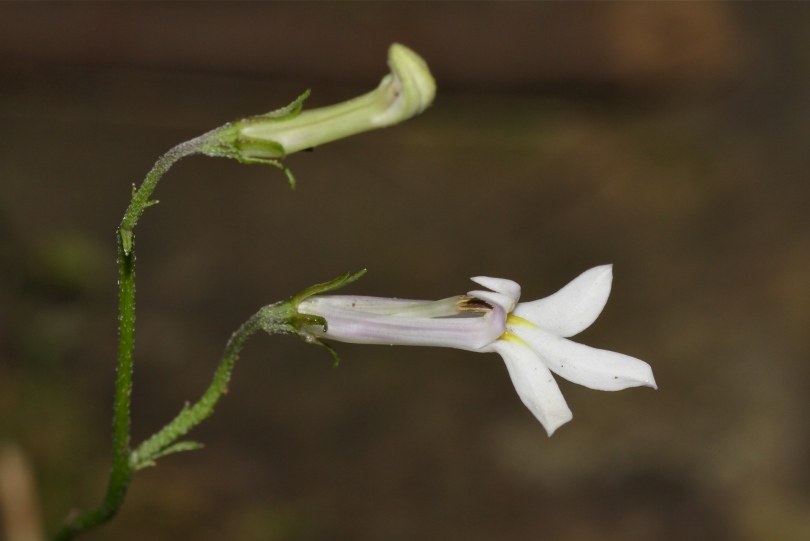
x=668 y=139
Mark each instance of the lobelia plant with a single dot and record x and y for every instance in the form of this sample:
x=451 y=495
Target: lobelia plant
x=407 y=91
x=531 y=337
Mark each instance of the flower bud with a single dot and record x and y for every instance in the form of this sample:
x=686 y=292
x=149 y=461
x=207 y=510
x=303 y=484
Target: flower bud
x=405 y=92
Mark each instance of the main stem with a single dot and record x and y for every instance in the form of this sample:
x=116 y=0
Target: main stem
x=126 y=462
x=121 y=470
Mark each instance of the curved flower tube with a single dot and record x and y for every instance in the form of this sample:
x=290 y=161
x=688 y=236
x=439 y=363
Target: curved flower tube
x=531 y=337
x=405 y=92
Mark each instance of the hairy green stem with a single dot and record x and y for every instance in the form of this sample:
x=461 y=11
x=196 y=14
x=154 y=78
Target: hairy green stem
x=140 y=199
x=126 y=463
x=191 y=416
x=121 y=470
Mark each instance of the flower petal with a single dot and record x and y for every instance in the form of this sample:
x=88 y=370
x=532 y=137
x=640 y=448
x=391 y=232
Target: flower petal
x=593 y=368
x=534 y=384
x=361 y=327
x=573 y=308
x=500 y=285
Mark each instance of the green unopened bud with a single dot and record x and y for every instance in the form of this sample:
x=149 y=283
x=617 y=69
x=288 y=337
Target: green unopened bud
x=405 y=92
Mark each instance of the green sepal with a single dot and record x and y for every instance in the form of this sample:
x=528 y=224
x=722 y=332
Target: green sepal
x=318 y=289
x=284 y=318
x=274 y=163
x=303 y=320
x=331 y=350
x=228 y=141
x=245 y=148
x=307 y=319
x=267 y=147
x=288 y=111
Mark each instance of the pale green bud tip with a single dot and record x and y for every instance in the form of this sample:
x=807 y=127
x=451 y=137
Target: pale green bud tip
x=411 y=84
x=407 y=91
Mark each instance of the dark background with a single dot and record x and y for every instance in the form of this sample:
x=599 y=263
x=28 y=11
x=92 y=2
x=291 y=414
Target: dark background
x=668 y=139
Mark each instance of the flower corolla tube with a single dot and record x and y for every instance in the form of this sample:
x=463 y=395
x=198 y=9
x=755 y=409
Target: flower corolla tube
x=532 y=337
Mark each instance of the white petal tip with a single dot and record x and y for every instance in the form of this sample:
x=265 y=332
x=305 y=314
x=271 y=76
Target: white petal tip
x=602 y=270
x=648 y=380
x=499 y=285
x=629 y=381
x=551 y=426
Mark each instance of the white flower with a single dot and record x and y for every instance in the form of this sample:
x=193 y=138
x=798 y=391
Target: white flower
x=531 y=337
